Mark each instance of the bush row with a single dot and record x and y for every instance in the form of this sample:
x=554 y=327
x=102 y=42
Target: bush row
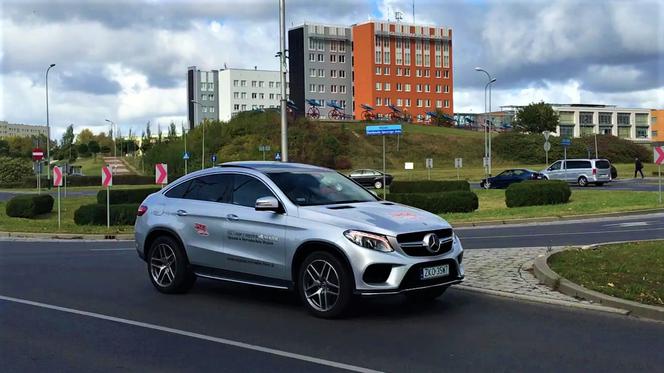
x=429 y=186
x=537 y=192
x=95 y=214
x=123 y=196
x=29 y=206
x=31 y=182
x=438 y=202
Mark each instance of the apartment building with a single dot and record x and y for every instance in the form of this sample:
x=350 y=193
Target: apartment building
x=657 y=125
x=247 y=89
x=320 y=66
x=202 y=97
x=21 y=130
x=405 y=65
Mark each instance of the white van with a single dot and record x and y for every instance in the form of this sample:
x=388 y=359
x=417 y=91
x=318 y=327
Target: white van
x=580 y=171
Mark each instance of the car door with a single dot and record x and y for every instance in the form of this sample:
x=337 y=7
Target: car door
x=555 y=172
x=254 y=240
x=500 y=180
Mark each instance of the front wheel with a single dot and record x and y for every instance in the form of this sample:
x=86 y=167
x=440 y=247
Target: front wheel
x=325 y=285
x=425 y=295
x=485 y=185
x=168 y=266
x=583 y=182
x=378 y=184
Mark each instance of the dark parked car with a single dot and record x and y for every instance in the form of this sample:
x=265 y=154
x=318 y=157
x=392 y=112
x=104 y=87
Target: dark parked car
x=507 y=177
x=370 y=178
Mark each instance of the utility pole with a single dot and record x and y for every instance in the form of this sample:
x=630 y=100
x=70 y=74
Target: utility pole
x=282 y=70
x=487 y=139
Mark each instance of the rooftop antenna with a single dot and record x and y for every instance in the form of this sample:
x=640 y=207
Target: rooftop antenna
x=413 y=11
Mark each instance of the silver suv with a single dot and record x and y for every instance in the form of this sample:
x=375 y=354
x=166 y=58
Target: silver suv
x=580 y=171
x=294 y=226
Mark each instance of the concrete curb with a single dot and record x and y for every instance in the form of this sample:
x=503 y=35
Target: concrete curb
x=555 y=302
x=557 y=218
x=543 y=272
x=68 y=236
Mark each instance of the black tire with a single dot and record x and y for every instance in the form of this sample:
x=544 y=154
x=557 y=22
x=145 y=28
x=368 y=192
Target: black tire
x=378 y=184
x=485 y=185
x=183 y=278
x=583 y=182
x=426 y=295
x=345 y=286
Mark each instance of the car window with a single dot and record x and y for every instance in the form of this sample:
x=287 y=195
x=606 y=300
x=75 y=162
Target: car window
x=247 y=189
x=555 y=166
x=213 y=188
x=578 y=164
x=518 y=172
x=602 y=164
x=179 y=190
x=504 y=173
x=319 y=188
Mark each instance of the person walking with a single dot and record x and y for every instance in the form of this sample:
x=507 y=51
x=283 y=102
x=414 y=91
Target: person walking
x=638 y=167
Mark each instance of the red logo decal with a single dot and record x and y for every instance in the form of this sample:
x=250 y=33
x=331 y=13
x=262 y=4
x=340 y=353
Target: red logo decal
x=201 y=229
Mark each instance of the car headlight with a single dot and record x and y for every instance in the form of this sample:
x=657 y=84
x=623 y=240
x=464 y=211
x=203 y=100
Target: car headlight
x=369 y=240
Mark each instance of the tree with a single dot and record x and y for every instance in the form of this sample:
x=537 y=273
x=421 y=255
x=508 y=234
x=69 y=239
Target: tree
x=148 y=132
x=4 y=148
x=83 y=149
x=93 y=147
x=536 y=118
x=159 y=133
x=172 y=133
x=84 y=136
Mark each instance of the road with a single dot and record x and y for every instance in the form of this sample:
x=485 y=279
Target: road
x=636 y=185
x=89 y=306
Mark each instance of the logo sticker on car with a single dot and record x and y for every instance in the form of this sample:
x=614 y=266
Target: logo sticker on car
x=404 y=215
x=201 y=229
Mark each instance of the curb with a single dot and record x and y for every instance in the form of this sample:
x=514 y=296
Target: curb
x=68 y=236
x=544 y=273
x=557 y=218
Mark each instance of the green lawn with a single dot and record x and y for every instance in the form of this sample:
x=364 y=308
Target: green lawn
x=633 y=271
x=583 y=202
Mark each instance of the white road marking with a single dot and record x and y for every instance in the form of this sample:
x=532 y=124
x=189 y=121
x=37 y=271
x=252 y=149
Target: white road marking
x=185 y=333
x=629 y=224
x=464 y=237
x=114 y=249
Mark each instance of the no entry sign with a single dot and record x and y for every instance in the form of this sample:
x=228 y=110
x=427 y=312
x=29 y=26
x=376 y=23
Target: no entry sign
x=57 y=176
x=106 y=176
x=37 y=154
x=161 y=173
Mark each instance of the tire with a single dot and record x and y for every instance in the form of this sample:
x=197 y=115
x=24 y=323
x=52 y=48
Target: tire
x=426 y=295
x=545 y=178
x=485 y=185
x=171 y=277
x=378 y=184
x=317 y=273
x=583 y=182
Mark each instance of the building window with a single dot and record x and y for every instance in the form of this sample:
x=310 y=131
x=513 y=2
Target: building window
x=399 y=102
x=447 y=103
x=278 y=84
x=427 y=88
x=407 y=102
x=427 y=73
x=244 y=107
x=236 y=107
x=387 y=86
x=418 y=73
x=253 y=95
x=654 y=134
x=321 y=73
x=447 y=74
x=378 y=86
x=333 y=58
x=342 y=103
x=321 y=58
x=387 y=102
x=566 y=132
x=261 y=96
x=312 y=73
x=333 y=46
x=321 y=88
x=271 y=96
x=378 y=57
x=446 y=61
x=378 y=70
x=333 y=88
x=447 y=89
x=271 y=84
x=203 y=97
x=566 y=117
x=427 y=103
x=407 y=87
x=261 y=84
x=379 y=102
x=236 y=94
x=342 y=58
x=386 y=71
x=418 y=88
x=333 y=73
x=406 y=71
x=623 y=132
x=605 y=118
x=342 y=74
x=243 y=83
x=641 y=132
x=437 y=73
x=235 y=83
x=211 y=109
x=386 y=57
x=587 y=130
x=623 y=119
x=243 y=95
x=641 y=119
x=312 y=57
x=419 y=102
x=585 y=118
x=321 y=45
x=342 y=89
x=399 y=71
x=439 y=104
x=253 y=83
x=205 y=109
x=399 y=87
x=312 y=44
x=342 y=46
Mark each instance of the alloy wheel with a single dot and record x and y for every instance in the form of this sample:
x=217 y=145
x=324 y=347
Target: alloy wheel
x=163 y=265
x=321 y=285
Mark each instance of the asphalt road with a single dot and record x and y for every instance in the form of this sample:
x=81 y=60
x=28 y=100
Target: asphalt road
x=637 y=185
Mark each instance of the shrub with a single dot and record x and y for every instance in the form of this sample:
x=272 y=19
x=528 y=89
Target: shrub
x=29 y=206
x=536 y=192
x=123 y=196
x=13 y=170
x=95 y=214
x=438 y=203
x=429 y=186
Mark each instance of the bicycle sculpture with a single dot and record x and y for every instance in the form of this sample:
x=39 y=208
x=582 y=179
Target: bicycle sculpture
x=397 y=114
x=337 y=112
x=368 y=112
x=291 y=109
x=439 y=119
x=313 y=112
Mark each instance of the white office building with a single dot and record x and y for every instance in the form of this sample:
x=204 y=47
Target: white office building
x=247 y=89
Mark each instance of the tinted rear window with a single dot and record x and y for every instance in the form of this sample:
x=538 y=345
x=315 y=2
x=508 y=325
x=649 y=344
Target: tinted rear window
x=602 y=164
x=179 y=190
x=578 y=164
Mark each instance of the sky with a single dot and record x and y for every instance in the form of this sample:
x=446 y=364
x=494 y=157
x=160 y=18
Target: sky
x=127 y=60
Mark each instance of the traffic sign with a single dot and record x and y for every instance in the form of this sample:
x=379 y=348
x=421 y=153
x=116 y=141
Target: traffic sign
x=547 y=146
x=565 y=142
x=408 y=165
x=186 y=156
x=546 y=135
x=57 y=176
x=37 y=154
x=458 y=162
x=392 y=129
x=161 y=173
x=659 y=154
x=106 y=176
x=277 y=156
x=264 y=148
x=213 y=158
x=429 y=163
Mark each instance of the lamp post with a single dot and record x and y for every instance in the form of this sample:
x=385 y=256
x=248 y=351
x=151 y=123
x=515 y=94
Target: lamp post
x=48 y=132
x=115 y=146
x=487 y=138
x=282 y=71
x=203 y=128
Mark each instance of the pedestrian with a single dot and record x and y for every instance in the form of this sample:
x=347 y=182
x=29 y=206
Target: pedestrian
x=638 y=167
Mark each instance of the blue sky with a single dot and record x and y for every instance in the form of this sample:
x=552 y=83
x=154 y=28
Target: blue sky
x=126 y=60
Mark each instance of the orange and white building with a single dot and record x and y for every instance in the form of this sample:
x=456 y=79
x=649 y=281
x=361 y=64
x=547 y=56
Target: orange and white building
x=404 y=65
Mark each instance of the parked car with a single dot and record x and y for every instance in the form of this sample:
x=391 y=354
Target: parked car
x=370 y=178
x=293 y=226
x=508 y=177
x=580 y=171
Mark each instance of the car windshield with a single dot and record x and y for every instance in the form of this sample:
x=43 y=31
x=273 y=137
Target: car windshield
x=320 y=188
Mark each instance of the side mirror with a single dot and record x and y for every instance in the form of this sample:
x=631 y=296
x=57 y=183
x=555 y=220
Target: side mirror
x=267 y=204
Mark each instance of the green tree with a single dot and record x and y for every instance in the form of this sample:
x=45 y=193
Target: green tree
x=94 y=148
x=536 y=118
x=84 y=136
x=83 y=149
x=172 y=133
x=4 y=147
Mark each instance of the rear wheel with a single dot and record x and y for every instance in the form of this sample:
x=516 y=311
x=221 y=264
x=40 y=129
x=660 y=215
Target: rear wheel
x=425 y=295
x=583 y=182
x=168 y=266
x=485 y=185
x=325 y=285
x=378 y=184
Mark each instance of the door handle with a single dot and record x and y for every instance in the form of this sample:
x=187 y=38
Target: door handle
x=181 y=213
x=232 y=217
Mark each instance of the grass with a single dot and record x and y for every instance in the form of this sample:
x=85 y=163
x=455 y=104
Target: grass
x=48 y=223
x=583 y=202
x=633 y=271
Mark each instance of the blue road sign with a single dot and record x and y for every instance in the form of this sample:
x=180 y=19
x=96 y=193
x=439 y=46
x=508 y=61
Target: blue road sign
x=277 y=156
x=186 y=156
x=392 y=129
x=213 y=158
x=566 y=142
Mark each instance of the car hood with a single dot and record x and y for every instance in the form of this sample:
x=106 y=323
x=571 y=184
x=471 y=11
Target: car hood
x=382 y=217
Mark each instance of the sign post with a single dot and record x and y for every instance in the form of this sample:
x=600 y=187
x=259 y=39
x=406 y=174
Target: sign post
x=565 y=143
x=161 y=174
x=393 y=129
x=547 y=145
x=429 y=165
x=186 y=157
x=458 y=164
x=659 y=160
x=57 y=182
x=37 y=156
x=213 y=159
x=107 y=182
x=264 y=149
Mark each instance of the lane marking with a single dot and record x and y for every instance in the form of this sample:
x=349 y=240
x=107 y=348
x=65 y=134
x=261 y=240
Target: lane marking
x=224 y=341
x=463 y=237
x=114 y=249
x=634 y=224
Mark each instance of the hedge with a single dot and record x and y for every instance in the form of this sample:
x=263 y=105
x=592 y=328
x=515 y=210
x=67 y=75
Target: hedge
x=31 y=182
x=124 y=196
x=95 y=214
x=429 y=186
x=29 y=206
x=13 y=170
x=537 y=192
x=438 y=203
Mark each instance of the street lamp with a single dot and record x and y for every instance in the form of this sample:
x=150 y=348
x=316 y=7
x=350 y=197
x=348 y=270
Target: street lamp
x=115 y=146
x=203 y=127
x=48 y=131
x=487 y=137
x=282 y=73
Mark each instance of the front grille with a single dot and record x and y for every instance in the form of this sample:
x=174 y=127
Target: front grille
x=412 y=245
x=412 y=278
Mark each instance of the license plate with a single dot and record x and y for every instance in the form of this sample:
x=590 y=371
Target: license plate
x=434 y=272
